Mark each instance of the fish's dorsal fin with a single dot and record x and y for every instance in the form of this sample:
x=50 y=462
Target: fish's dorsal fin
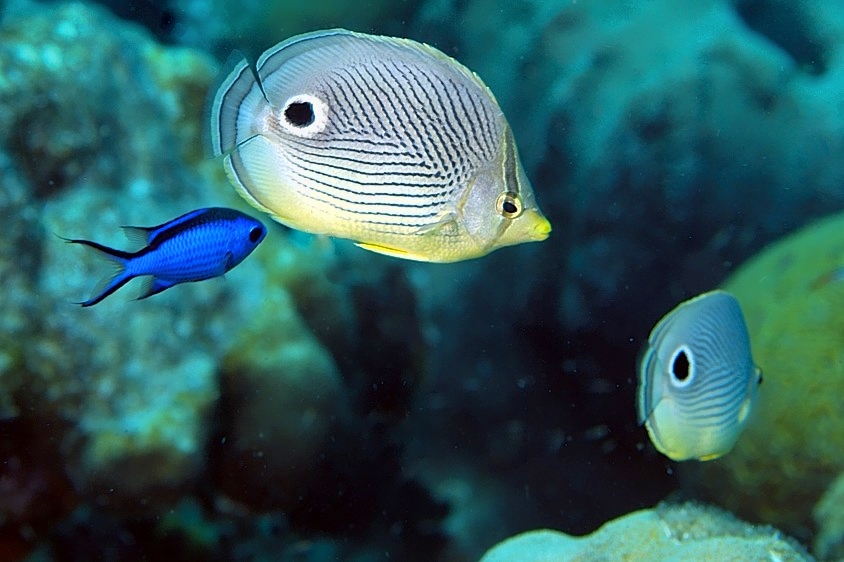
x=139 y=236
x=147 y=235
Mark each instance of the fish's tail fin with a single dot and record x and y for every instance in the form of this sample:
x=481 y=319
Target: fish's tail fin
x=112 y=281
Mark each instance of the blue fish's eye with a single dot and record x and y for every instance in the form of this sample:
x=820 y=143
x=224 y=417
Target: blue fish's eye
x=255 y=233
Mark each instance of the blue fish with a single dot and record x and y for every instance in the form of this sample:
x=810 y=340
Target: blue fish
x=198 y=245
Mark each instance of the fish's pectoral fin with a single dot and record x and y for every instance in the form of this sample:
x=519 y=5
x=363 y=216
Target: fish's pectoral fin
x=447 y=219
x=393 y=252
x=253 y=168
x=153 y=285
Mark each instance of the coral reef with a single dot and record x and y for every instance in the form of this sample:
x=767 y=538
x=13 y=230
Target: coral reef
x=74 y=88
x=792 y=296
x=282 y=396
x=321 y=402
x=667 y=533
x=662 y=162
x=829 y=518
x=102 y=127
x=215 y=25
x=633 y=134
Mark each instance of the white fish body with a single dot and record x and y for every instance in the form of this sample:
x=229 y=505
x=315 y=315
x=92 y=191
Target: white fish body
x=381 y=140
x=697 y=378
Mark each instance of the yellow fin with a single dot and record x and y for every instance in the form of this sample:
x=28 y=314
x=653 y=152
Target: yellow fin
x=394 y=252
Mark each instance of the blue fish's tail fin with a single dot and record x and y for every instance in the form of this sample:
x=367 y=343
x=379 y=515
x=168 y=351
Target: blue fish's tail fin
x=153 y=286
x=118 y=259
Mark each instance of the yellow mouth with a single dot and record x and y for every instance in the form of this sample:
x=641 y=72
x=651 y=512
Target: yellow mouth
x=541 y=226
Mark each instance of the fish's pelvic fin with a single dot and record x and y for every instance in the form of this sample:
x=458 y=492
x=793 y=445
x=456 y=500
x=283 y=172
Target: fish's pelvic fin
x=152 y=286
x=393 y=252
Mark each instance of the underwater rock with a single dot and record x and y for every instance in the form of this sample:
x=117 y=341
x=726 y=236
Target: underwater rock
x=667 y=533
x=101 y=127
x=76 y=84
x=792 y=295
x=829 y=518
x=217 y=25
x=667 y=160
x=281 y=394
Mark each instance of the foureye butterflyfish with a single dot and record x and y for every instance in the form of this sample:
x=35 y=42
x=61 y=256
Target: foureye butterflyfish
x=697 y=378
x=384 y=141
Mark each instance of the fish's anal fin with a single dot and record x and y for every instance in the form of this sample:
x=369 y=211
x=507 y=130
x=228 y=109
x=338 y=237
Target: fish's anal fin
x=393 y=252
x=152 y=286
x=710 y=457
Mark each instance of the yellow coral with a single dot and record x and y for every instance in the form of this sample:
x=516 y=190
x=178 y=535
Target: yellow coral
x=791 y=449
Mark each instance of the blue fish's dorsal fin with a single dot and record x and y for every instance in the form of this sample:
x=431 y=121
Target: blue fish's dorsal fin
x=138 y=235
x=153 y=285
x=149 y=235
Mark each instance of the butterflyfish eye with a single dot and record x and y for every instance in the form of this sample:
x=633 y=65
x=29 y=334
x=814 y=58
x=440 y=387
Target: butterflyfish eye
x=509 y=205
x=299 y=113
x=681 y=367
x=255 y=233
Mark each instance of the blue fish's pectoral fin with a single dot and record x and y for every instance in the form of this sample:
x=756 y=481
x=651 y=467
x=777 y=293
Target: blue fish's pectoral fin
x=230 y=263
x=153 y=285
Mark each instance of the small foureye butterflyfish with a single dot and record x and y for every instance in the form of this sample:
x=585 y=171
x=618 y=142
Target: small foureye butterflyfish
x=697 y=378
x=381 y=140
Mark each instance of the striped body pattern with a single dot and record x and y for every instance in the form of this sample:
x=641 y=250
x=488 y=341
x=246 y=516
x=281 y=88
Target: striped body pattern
x=697 y=378
x=198 y=245
x=381 y=140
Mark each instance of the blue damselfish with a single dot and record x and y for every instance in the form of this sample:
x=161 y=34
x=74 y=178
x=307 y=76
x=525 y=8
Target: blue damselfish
x=198 y=245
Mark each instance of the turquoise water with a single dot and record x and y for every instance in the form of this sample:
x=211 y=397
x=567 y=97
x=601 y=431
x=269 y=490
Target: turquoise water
x=324 y=403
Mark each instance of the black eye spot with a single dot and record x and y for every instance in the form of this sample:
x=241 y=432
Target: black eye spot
x=509 y=207
x=299 y=113
x=680 y=367
x=255 y=234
